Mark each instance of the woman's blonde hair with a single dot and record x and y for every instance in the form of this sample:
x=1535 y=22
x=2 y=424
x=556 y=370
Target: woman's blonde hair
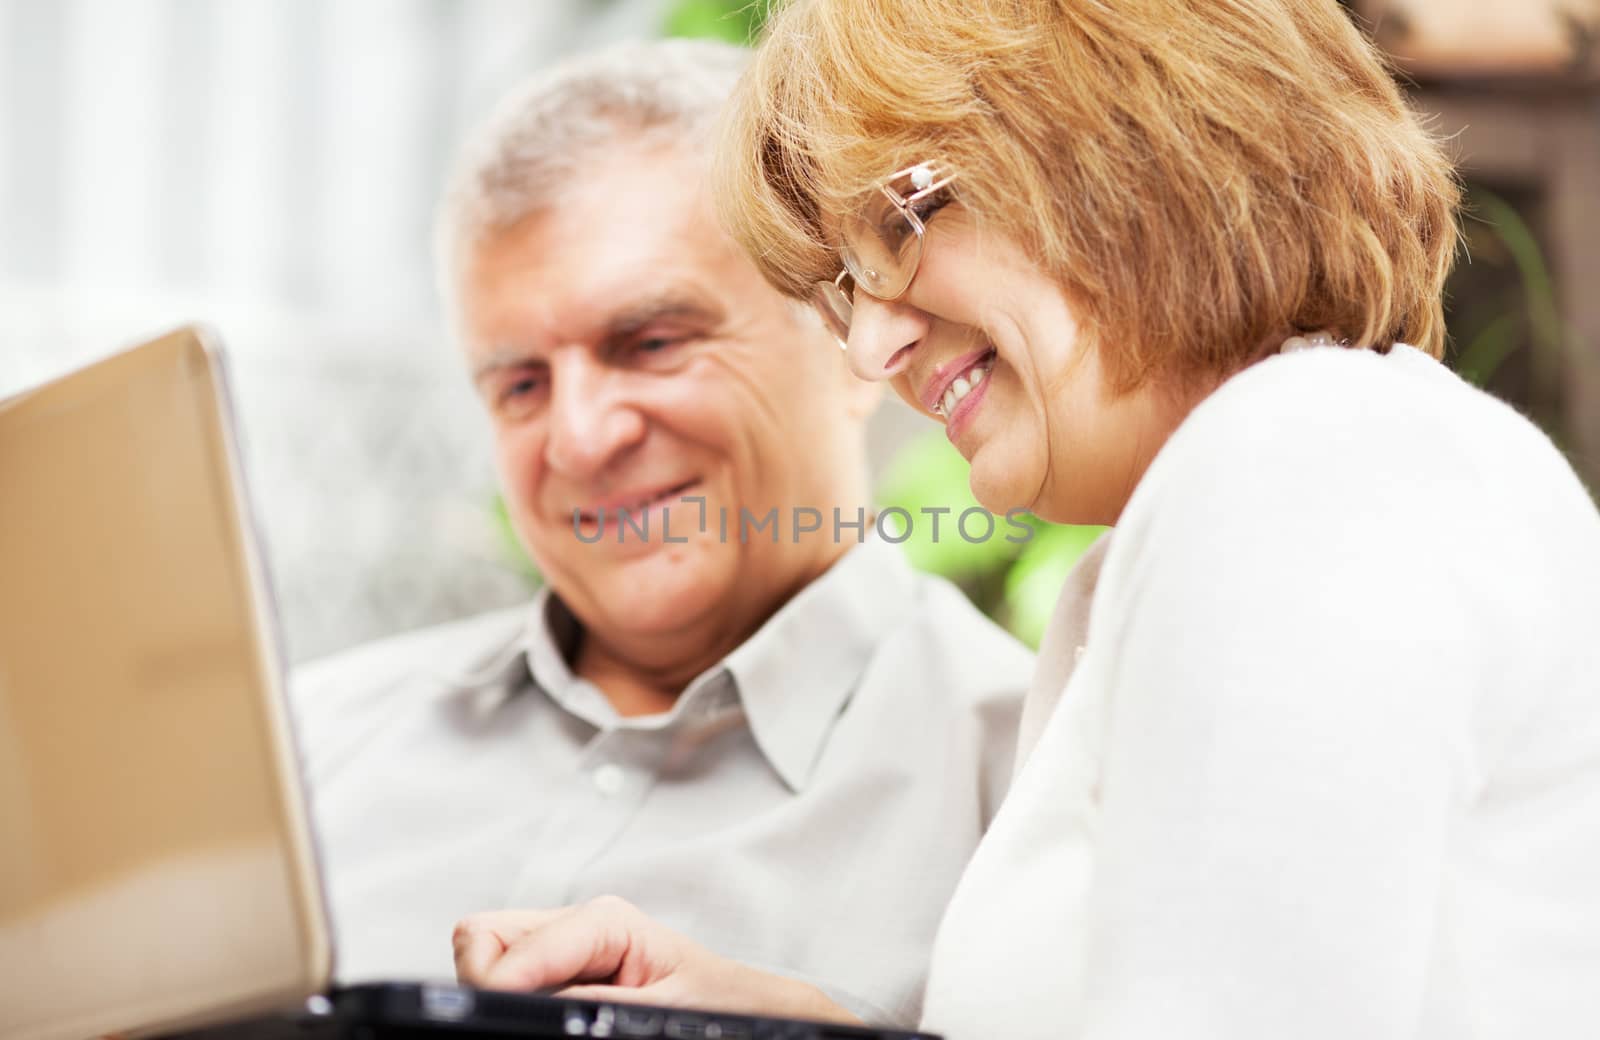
x=1199 y=177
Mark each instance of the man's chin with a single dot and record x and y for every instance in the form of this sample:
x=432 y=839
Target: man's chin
x=660 y=589
x=656 y=614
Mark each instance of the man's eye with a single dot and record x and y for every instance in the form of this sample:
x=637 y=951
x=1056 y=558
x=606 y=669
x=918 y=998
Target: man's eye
x=520 y=392
x=657 y=344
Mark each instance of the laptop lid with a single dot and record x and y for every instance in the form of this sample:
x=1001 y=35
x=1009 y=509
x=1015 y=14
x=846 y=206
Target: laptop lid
x=155 y=865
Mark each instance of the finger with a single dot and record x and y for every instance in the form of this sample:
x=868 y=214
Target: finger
x=476 y=951
x=586 y=944
x=660 y=996
x=479 y=941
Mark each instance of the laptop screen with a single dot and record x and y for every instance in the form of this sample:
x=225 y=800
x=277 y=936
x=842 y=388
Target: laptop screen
x=154 y=868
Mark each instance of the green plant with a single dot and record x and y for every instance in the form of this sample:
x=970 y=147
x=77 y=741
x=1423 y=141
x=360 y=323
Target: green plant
x=1506 y=326
x=511 y=551
x=1521 y=314
x=1015 y=582
x=737 y=21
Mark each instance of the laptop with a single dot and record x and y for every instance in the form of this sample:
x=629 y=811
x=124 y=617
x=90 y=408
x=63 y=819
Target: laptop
x=157 y=869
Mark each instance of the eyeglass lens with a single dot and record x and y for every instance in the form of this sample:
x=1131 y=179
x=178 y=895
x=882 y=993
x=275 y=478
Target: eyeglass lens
x=881 y=248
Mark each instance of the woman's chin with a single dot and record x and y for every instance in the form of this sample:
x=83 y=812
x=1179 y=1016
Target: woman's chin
x=995 y=489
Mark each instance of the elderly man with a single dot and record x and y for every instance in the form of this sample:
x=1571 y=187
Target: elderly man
x=779 y=740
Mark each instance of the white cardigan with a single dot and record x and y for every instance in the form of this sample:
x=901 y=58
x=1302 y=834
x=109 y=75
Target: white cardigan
x=1316 y=738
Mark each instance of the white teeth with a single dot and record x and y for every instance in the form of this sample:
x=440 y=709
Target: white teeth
x=963 y=386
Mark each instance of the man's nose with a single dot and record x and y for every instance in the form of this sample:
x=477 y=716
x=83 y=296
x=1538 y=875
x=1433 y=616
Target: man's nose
x=882 y=336
x=592 y=419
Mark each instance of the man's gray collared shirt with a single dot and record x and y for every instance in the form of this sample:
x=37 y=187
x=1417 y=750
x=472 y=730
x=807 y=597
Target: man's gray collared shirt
x=806 y=806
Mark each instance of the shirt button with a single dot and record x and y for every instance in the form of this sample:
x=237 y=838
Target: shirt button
x=609 y=779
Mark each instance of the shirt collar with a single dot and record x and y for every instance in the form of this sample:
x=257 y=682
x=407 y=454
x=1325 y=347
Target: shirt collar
x=799 y=670
x=489 y=671
x=792 y=677
x=548 y=646
x=552 y=636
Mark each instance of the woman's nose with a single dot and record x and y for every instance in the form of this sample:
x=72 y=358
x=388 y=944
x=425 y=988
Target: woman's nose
x=883 y=334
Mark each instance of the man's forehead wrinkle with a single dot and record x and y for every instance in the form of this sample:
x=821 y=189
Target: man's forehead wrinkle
x=502 y=357
x=676 y=302
x=621 y=317
x=668 y=302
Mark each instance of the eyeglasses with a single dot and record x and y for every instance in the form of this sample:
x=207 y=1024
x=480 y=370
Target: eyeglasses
x=881 y=245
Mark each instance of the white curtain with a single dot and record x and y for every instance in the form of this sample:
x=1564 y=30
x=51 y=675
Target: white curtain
x=270 y=167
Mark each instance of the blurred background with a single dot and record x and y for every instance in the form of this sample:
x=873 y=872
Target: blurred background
x=270 y=167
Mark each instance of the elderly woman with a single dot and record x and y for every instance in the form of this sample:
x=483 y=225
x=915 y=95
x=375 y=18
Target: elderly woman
x=1314 y=747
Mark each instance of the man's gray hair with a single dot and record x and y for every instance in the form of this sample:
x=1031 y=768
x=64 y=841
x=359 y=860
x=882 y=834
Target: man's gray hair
x=542 y=135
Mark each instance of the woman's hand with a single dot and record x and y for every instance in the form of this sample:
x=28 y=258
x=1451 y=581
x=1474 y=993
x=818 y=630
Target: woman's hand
x=608 y=950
